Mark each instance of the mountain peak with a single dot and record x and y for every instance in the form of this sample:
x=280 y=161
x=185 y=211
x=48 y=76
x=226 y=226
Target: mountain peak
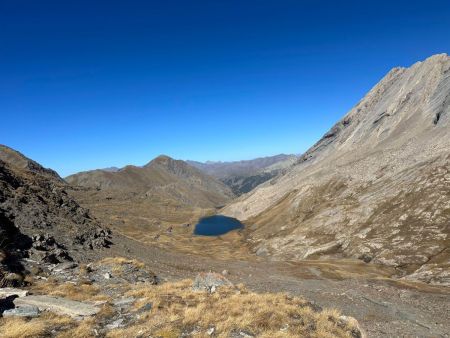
x=164 y=160
x=163 y=157
x=437 y=57
x=390 y=149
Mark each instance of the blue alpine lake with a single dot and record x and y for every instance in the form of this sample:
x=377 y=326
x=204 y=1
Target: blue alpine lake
x=216 y=225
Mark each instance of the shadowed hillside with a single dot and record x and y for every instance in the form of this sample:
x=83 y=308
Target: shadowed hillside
x=38 y=218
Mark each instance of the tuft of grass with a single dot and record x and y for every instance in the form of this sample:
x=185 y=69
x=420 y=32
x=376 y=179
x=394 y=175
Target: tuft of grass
x=80 y=292
x=84 y=329
x=21 y=328
x=116 y=264
x=14 y=327
x=83 y=270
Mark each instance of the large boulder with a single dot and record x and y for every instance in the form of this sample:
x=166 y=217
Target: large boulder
x=210 y=281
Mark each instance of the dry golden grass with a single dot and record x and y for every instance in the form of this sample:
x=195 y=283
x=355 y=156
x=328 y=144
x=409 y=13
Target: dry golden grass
x=51 y=325
x=121 y=261
x=84 y=329
x=147 y=221
x=80 y=292
x=14 y=327
x=117 y=264
x=21 y=328
x=177 y=309
x=83 y=270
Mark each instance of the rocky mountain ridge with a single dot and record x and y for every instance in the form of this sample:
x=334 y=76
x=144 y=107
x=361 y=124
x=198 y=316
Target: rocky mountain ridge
x=38 y=217
x=163 y=178
x=375 y=187
x=239 y=168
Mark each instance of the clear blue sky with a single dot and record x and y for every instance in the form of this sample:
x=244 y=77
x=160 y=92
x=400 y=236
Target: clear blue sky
x=91 y=84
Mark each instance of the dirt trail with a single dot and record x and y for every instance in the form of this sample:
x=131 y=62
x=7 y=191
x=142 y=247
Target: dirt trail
x=383 y=307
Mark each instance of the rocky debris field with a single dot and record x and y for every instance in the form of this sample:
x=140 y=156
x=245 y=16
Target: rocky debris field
x=118 y=297
x=382 y=305
x=80 y=292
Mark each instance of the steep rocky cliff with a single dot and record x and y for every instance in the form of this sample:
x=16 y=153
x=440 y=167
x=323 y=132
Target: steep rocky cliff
x=375 y=187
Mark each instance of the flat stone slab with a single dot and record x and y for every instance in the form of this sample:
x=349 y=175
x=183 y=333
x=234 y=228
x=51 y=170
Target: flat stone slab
x=8 y=292
x=28 y=311
x=59 y=305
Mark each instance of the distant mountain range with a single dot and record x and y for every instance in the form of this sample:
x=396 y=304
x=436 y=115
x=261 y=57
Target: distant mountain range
x=239 y=176
x=224 y=170
x=165 y=177
x=244 y=176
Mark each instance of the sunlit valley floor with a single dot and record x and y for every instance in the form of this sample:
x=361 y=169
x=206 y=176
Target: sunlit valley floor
x=372 y=293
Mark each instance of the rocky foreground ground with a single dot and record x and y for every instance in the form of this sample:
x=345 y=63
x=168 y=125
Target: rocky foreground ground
x=384 y=307
x=118 y=297
x=170 y=294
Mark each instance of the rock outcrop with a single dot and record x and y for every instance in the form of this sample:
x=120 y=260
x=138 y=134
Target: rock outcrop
x=210 y=281
x=375 y=187
x=38 y=217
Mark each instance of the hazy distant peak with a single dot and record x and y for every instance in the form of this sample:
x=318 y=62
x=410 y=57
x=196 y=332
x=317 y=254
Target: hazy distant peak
x=163 y=157
x=223 y=170
x=111 y=169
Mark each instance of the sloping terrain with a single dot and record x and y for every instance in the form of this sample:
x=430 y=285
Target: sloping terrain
x=163 y=178
x=244 y=176
x=18 y=160
x=157 y=202
x=38 y=218
x=375 y=187
x=42 y=227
